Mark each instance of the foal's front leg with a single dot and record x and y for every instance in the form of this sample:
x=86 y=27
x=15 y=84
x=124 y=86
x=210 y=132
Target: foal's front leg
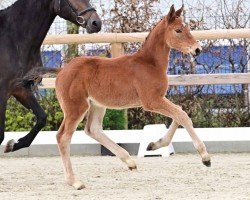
x=94 y=129
x=74 y=113
x=167 y=108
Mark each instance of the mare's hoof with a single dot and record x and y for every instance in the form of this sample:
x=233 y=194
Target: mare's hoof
x=78 y=185
x=9 y=146
x=207 y=163
x=151 y=146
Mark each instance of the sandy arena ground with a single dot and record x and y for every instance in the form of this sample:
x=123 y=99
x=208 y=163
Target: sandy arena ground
x=177 y=177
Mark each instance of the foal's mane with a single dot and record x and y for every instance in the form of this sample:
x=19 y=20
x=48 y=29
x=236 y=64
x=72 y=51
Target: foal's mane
x=143 y=44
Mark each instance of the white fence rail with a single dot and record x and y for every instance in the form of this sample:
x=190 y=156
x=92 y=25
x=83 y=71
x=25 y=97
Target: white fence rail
x=140 y=37
x=192 y=79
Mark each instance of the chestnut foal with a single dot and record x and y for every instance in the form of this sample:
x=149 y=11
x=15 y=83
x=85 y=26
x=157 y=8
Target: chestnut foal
x=90 y=85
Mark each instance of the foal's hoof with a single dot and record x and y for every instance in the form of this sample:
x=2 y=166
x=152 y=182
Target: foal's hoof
x=151 y=146
x=130 y=163
x=133 y=168
x=78 y=185
x=9 y=146
x=206 y=162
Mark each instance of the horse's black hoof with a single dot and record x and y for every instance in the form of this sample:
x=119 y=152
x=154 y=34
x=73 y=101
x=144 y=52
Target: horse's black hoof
x=150 y=146
x=207 y=163
x=9 y=146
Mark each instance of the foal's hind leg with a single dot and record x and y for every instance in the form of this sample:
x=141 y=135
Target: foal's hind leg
x=72 y=117
x=28 y=100
x=167 y=108
x=94 y=129
x=166 y=139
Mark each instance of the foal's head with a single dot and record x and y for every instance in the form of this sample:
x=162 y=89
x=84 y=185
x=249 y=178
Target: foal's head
x=177 y=35
x=79 y=12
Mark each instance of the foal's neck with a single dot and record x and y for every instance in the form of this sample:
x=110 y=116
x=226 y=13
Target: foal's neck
x=155 y=51
x=29 y=22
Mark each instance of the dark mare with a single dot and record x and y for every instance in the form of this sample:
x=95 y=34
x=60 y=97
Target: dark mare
x=23 y=27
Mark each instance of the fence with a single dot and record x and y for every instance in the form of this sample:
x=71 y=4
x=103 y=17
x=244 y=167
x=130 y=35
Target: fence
x=117 y=40
x=224 y=140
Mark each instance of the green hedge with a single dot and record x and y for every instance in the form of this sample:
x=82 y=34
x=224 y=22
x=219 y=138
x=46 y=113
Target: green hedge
x=205 y=111
x=19 y=118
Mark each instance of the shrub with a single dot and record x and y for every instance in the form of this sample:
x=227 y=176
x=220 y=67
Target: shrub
x=19 y=118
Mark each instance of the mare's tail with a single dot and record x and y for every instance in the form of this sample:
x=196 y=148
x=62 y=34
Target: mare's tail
x=34 y=77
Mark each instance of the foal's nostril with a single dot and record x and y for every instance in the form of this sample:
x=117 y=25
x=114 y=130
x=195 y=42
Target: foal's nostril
x=197 y=51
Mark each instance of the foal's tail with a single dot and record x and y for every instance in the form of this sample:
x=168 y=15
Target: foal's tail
x=34 y=77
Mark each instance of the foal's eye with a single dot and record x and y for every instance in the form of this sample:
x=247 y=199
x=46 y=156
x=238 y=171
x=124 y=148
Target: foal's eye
x=178 y=31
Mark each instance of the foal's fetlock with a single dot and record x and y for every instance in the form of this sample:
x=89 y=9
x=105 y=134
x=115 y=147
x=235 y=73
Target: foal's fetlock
x=206 y=159
x=9 y=146
x=130 y=163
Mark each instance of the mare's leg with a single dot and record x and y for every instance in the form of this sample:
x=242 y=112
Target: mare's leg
x=166 y=139
x=3 y=103
x=167 y=108
x=28 y=100
x=73 y=115
x=94 y=129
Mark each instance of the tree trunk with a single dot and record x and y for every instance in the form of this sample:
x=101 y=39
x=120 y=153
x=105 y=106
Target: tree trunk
x=72 y=48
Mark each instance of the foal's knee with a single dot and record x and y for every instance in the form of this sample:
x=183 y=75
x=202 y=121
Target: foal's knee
x=88 y=131
x=92 y=132
x=58 y=137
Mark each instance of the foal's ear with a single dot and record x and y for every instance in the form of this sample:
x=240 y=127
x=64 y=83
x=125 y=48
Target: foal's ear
x=171 y=14
x=179 y=12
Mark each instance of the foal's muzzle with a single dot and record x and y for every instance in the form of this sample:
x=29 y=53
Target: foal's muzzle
x=197 y=51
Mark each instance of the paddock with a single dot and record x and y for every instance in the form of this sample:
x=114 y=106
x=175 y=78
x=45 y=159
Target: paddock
x=181 y=176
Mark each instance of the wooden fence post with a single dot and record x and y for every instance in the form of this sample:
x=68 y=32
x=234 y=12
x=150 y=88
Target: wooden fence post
x=117 y=50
